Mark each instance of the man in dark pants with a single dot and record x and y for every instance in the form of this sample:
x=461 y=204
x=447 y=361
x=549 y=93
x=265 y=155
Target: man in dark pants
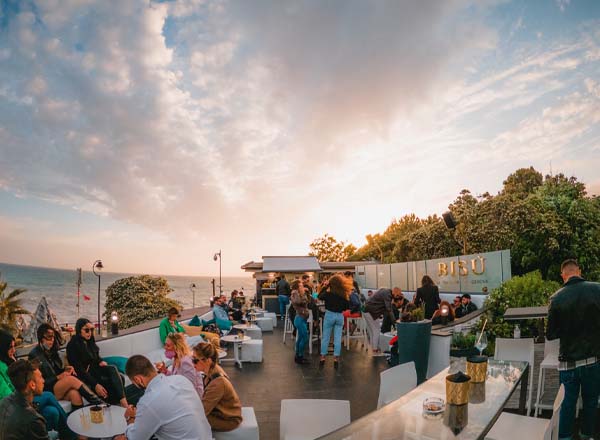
x=574 y=317
x=283 y=294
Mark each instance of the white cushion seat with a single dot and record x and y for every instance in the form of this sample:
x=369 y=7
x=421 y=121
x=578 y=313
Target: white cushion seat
x=66 y=405
x=252 y=351
x=265 y=324
x=248 y=430
x=273 y=317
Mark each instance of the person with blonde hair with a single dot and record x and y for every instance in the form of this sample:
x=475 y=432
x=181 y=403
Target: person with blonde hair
x=177 y=350
x=335 y=292
x=221 y=403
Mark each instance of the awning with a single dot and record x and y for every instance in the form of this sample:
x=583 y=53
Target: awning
x=291 y=264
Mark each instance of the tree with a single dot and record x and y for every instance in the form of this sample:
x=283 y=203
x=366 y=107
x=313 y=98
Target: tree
x=139 y=299
x=10 y=307
x=327 y=248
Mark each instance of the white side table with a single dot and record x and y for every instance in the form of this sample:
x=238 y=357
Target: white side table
x=237 y=345
x=114 y=422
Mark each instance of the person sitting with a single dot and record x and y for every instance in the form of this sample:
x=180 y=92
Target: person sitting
x=235 y=306
x=178 y=351
x=465 y=307
x=84 y=355
x=59 y=379
x=221 y=403
x=54 y=415
x=19 y=418
x=169 y=409
x=170 y=325
x=456 y=302
x=443 y=315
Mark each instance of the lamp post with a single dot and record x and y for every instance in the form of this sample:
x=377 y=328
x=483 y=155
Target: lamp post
x=193 y=290
x=216 y=257
x=97 y=268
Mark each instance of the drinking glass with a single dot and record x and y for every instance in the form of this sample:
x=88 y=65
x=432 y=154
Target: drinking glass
x=481 y=343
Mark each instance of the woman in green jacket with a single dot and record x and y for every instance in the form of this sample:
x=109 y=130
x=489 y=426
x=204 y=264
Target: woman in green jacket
x=170 y=325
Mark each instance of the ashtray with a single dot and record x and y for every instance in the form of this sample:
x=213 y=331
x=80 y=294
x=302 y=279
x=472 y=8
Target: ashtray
x=433 y=408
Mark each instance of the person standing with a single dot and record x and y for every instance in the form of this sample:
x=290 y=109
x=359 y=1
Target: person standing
x=337 y=299
x=429 y=294
x=379 y=304
x=283 y=294
x=300 y=303
x=573 y=318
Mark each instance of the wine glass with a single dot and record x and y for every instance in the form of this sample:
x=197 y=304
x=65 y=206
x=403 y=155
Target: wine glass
x=481 y=343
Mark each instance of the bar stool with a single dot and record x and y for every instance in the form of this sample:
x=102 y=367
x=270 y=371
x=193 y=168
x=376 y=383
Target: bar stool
x=288 y=326
x=360 y=331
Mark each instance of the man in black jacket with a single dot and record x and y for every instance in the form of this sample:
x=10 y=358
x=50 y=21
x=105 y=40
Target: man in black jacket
x=283 y=294
x=18 y=417
x=574 y=317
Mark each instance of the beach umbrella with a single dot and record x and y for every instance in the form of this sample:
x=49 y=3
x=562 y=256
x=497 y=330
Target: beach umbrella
x=43 y=314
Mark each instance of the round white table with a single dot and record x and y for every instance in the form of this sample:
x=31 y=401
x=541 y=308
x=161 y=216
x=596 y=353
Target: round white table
x=114 y=422
x=222 y=353
x=237 y=344
x=244 y=327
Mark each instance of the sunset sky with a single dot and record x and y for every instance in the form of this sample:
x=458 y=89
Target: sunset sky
x=152 y=134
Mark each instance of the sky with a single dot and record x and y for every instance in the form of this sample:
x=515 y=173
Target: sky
x=153 y=134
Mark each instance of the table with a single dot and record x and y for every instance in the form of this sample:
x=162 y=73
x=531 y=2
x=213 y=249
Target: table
x=244 y=327
x=403 y=419
x=237 y=344
x=517 y=313
x=114 y=422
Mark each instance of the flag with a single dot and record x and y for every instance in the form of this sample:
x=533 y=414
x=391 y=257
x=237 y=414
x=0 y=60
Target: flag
x=86 y=298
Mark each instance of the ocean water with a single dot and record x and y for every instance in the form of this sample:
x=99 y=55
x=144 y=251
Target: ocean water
x=60 y=288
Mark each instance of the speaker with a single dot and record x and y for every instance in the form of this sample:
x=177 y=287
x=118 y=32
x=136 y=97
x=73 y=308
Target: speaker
x=449 y=220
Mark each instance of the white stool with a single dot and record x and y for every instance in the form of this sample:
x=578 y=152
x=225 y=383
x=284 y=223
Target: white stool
x=273 y=316
x=254 y=333
x=360 y=331
x=252 y=351
x=265 y=324
x=288 y=326
x=248 y=430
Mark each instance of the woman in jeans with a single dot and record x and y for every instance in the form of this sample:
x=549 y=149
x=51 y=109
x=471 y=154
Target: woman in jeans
x=336 y=294
x=300 y=302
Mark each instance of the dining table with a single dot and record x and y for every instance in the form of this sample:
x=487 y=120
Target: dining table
x=404 y=418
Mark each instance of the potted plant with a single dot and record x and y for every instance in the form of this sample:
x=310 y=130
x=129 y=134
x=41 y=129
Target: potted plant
x=414 y=337
x=463 y=345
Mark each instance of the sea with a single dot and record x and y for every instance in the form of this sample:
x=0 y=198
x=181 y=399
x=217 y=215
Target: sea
x=59 y=286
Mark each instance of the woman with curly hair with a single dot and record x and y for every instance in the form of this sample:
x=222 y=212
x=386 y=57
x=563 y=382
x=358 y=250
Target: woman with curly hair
x=335 y=292
x=177 y=350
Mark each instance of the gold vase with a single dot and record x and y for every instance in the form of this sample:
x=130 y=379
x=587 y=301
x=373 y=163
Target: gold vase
x=457 y=393
x=477 y=368
x=97 y=414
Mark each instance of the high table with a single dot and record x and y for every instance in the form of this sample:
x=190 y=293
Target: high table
x=237 y=344
x=403 y=418
x=114 y=422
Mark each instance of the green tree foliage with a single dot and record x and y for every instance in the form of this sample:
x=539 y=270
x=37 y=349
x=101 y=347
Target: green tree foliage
x=542 y=220
x=529 y=290
x=327 y=248
x=10 y=307
x=139 y=299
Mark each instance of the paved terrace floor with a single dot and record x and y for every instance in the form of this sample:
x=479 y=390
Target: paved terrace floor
x=264 y=385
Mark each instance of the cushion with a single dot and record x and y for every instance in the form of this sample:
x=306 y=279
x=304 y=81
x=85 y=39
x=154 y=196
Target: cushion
x=192 y=330
x=195 y=322
x=117 y=361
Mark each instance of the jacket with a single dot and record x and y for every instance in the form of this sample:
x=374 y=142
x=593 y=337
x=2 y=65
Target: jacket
x=283 y=288
x=6 y=386
x=430 y=295
x=19 y=419
x=50 y=365
x=300 y=303
x=464 y=310
x=220 y=399
x=380 y=303
x=574 y=318
x=85 y=358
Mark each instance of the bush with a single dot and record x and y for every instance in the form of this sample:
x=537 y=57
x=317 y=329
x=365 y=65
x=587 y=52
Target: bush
x=528 y=290
x=139 y=299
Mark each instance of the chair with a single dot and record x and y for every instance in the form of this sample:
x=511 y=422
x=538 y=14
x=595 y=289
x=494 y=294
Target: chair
x=273 y=317
x=265 y=324
x=248 y=430
x=288 y=326
x=360 y=331
x=511 y=426
x=395 y=382
x=550 y=362
x=518 y=350
x=307 y=419
x=252 y=351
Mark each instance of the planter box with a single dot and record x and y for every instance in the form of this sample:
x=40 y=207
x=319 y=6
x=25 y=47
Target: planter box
x=463 y=352
x=413 y=345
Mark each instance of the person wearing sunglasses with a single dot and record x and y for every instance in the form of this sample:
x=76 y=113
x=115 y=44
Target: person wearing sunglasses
x=59 y=379
x=221 y=403
x=47 y=405
x=84 y=355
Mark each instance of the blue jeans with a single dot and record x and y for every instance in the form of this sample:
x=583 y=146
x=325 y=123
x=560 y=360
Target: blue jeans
x=301 y=335
x=586 y=378
x=55 y=415
x=284 y=300
x=333 y=321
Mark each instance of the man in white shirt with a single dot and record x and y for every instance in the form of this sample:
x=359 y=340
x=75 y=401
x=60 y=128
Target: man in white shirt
x=170 y=408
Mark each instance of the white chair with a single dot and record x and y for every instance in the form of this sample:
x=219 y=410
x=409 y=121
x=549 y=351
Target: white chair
x=254 y=333
x=360 y=331
x=252 y=351
x=248 y=430
x=518 y=350
x=288 y=326
x=265 y=324
x=395 y=382
x=550 y=362
x=308 y=419
x=511 y=426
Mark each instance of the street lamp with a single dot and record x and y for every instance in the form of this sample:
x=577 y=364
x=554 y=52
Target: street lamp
x=216 y=257
x=193 y=290
x=97 y=268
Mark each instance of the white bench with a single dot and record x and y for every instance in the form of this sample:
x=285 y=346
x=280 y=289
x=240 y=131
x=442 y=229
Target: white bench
x=248 y=430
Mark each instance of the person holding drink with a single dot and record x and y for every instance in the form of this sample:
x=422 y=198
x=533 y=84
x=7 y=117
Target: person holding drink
x=178 y=351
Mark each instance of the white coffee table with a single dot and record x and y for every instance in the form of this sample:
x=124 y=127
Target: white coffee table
x=114 y=422
x=244 y=327
x=237 y=344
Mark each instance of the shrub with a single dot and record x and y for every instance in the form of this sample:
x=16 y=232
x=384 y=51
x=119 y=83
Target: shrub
x=139 y=299
x=528 y=290
x=461 y=341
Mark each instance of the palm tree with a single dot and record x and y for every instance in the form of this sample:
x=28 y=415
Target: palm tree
x=10 y=307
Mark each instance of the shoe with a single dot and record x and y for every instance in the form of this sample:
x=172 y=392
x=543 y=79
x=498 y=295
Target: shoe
x=336 y=363
x=321 y=362
x=89 y=395
x=300 y=360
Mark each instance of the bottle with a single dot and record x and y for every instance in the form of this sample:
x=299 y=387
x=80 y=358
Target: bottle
x=517 y=332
